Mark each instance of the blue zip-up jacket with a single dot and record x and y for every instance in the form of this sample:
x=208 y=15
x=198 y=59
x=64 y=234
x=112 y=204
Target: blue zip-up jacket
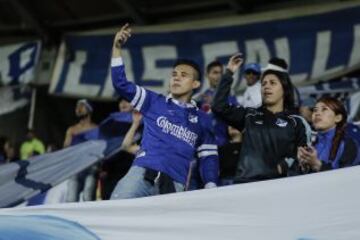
x=174 y=133
x=347 y=153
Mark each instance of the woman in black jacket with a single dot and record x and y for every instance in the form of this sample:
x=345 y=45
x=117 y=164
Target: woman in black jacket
x=271 y=133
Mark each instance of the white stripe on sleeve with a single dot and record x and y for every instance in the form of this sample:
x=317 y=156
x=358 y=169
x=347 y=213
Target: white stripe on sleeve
x=115 y=62
x=207 y=153
x=137 y=96
x=142 y=99
x=207 y=147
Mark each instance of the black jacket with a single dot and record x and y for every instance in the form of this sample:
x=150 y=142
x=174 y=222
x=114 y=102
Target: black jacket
x=269 y=139
x=229 y=156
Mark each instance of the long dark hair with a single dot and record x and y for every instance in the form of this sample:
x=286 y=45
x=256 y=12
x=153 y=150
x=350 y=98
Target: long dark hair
x=288 y=87
x=338 y=108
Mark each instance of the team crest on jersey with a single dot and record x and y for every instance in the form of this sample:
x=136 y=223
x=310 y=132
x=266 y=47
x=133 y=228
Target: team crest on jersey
x=140 y=153
x=193 y=118
x=281 y=123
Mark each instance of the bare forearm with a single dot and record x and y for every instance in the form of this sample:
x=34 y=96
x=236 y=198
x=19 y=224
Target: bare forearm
x=116 y=50
x=129 y=137
x=120 y=38
x=68 y=139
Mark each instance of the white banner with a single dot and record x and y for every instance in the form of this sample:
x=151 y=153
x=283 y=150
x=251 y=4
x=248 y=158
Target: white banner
x=13 y=98
x=312 y=207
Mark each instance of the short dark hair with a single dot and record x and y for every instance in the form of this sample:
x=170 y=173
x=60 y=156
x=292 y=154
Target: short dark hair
x=119 y=98
x=192 y=64
x=213 y=64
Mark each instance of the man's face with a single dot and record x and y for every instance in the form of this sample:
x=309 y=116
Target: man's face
x=81 y=110
x=183 y=80
x=214 y=76
x=124 y=106
x=251 y=77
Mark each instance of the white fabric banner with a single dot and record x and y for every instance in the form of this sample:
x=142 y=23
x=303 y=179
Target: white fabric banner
x=13 y=98
x=311 y=207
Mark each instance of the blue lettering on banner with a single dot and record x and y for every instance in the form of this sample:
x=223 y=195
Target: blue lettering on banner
x=19 y=60
x=316 y=46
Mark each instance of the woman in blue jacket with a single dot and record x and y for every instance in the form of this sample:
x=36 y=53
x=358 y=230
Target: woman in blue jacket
x=333 y=148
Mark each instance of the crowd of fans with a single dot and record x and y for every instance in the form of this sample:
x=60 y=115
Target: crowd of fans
x=216 y=140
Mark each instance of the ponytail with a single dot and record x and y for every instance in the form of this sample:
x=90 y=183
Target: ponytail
x=339 y=135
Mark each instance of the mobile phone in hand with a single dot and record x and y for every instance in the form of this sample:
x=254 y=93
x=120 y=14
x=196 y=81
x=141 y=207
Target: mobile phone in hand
x=308 y=148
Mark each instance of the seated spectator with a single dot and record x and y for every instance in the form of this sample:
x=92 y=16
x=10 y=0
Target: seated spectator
x=333 y=148
x=11 y=153
x=7 y=151
x=32 y=146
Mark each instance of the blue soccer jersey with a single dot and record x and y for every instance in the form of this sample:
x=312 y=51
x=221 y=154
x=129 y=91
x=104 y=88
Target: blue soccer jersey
x=174 y=133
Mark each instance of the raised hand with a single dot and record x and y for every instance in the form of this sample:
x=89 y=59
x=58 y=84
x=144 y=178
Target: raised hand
x=235 y=62
x=122 y=36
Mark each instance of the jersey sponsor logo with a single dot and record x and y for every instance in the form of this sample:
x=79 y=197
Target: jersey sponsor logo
x=177 y=131
x=260 y=122
x=281 y=123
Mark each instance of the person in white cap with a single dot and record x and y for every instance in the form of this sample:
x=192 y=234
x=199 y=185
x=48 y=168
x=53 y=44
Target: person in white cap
x=252 y=94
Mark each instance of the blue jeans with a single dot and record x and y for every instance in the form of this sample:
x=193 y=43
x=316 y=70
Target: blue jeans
x=133 y=185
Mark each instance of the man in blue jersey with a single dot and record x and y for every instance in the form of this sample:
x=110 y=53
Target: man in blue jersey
x=175 y=131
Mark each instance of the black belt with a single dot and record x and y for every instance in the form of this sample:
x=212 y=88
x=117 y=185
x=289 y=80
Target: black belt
x=166 y=183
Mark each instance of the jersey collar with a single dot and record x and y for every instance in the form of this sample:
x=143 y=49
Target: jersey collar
x=192 y=103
